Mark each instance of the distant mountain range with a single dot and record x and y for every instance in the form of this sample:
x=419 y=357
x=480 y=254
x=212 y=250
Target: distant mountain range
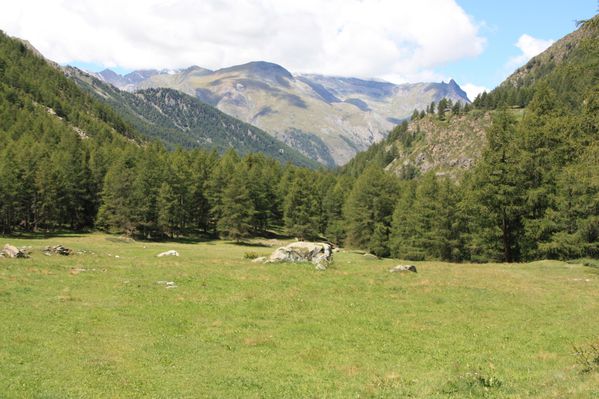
x=328 y=119
x=178 y=119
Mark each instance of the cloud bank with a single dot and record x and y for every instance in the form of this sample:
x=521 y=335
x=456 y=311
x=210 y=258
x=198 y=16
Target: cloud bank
x=530 y=47
x=399 y=40
x=473 y=90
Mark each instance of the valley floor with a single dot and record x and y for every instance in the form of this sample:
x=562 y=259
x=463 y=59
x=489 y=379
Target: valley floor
x=115 y=321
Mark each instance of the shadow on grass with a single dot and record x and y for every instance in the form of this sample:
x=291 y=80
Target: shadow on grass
x=249 y=244
x=22 y=235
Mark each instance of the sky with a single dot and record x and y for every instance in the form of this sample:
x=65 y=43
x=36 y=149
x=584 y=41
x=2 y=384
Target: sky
x=476 y=42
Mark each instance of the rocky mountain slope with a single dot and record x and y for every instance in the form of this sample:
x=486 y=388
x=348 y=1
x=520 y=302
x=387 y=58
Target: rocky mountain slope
x=328 y=119
x=445 y=146
x=178 y=119
x=568 y=71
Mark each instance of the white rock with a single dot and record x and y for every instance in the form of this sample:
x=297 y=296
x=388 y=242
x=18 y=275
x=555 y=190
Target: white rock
x=172 y=252
x=403 y=268
x=320 y=254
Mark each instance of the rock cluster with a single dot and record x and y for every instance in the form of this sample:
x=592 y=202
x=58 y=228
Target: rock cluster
x=320 y=254
x=10 y=251
x=58 y=250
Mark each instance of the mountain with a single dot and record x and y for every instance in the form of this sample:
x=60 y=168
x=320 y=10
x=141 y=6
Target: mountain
x=178 y=119
x=569 y=69
x=329 y=119
x=37 y=90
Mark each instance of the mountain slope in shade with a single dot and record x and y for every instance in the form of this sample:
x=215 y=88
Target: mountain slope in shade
x=178 y=119
x=327 y=118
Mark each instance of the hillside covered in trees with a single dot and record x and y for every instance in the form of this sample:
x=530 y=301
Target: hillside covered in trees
x=177 y=119
x=533 y=192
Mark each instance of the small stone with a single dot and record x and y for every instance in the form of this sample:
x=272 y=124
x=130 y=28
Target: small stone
x=260 y=259
x=403 y=268
x=172 y=252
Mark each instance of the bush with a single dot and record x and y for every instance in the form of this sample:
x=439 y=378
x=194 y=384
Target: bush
x=250 y=255
x=587 y=356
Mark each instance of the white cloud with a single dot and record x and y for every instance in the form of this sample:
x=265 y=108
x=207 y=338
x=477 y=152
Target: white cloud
x=369 y=38
x=473 y=90
x=530 y=47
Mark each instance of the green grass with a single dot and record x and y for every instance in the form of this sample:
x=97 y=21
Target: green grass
x=232 y=328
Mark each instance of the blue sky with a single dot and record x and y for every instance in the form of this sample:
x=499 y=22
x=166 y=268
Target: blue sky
x=476 y=42
x=503 y=23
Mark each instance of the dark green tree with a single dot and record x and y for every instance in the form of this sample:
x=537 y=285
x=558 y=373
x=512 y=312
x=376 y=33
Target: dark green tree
x=370 y=202
x=496 y=195
x=237 y=210
x=301 y=207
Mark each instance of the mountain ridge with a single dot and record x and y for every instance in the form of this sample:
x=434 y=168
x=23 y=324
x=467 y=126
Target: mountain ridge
x=327 y=118
x=178 y=119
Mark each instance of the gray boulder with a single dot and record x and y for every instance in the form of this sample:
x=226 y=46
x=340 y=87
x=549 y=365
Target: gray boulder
x=403 y=268
x=320 y=254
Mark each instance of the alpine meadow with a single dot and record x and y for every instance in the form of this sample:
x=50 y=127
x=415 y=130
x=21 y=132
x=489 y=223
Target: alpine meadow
x=247 y=232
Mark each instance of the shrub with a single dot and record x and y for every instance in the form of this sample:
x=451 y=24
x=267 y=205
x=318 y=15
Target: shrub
x=250 y=255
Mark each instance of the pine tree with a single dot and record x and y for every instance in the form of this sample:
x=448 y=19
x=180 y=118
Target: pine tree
x=379 y=242
x=431 y=108
x=301 y=208
x=370 y=202
x=220 y=176
x=497 y=194
x=442 y=108
x=117 y=209
x=237 y=210
x=333 y=203
x=457 y=108
x=150 y=171
x=168 y=205
x=202 y=165
x=403 y=226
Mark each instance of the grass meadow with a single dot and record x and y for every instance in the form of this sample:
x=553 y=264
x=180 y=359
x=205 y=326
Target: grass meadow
x=115 y=321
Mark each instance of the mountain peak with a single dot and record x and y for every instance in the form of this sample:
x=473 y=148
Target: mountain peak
x=108 y=73
x=260 y=68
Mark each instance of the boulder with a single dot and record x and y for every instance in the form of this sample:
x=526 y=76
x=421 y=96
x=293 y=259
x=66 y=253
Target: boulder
x=371 y=256
x=11 y=251
x=172 y=252
x=320 y=254
x=403 y=268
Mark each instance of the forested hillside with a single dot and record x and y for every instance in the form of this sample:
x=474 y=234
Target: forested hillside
x=177 y=119
x=56 y=143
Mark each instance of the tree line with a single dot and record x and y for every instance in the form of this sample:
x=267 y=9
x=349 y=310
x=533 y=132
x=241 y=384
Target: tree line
x=533 y=194
x=67 y=162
